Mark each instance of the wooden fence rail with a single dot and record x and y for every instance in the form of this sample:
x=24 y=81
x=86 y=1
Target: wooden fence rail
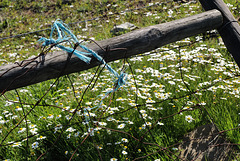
x=230 y=29
x=136 y=42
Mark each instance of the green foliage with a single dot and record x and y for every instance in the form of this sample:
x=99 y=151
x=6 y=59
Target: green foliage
x=3 y=25
x=157 y=77
x=4 y=3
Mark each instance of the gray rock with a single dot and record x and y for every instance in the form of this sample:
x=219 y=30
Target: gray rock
x=204 y=144
x=123 y=28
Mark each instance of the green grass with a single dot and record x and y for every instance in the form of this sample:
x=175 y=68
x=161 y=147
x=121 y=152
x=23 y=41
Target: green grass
x=161 y=84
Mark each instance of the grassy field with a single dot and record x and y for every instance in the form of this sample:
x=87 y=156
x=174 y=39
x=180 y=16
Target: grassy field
x=169 y=92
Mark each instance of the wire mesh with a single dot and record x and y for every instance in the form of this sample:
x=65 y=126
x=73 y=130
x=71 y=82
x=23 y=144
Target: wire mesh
x=176 y=90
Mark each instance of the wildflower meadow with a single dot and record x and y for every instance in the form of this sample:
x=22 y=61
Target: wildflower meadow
x=168 y=92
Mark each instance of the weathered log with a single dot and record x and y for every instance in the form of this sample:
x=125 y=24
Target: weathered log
x=136 y=42
x=230 y=29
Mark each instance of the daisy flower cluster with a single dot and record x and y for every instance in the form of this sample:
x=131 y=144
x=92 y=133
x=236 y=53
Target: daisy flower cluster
x=167 y=94
x=166 y=74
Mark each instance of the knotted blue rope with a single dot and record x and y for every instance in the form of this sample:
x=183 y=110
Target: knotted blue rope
x=64 y=34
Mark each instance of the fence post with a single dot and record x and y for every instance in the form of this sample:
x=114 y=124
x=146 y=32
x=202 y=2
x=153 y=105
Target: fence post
x=13 y=76
x=230 y=29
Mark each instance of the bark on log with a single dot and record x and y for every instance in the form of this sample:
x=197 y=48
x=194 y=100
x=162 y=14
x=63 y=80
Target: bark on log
x=230 y=29
x=136 y=42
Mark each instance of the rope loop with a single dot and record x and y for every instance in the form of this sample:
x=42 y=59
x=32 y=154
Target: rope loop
x=64 y=34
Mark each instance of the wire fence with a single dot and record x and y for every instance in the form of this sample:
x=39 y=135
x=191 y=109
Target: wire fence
x=178 y=88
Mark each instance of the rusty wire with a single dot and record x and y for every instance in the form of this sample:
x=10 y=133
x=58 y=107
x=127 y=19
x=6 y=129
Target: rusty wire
x=91 y=84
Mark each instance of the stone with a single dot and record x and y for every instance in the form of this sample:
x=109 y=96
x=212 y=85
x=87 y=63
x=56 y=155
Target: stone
x=204 y=144
x=123 y=28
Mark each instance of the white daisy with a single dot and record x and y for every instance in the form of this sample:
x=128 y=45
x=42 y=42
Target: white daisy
x=188 y=118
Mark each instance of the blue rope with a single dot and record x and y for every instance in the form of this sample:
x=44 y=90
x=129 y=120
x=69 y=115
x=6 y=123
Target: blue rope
x=64 y=34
